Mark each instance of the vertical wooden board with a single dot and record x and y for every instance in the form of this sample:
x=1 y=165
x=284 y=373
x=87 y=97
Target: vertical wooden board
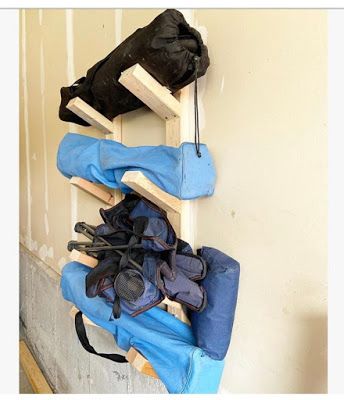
x=173 y=132
x=187 y=224
x=106 y=376
x=173 y=138
x=118 y=137
x=175 y=219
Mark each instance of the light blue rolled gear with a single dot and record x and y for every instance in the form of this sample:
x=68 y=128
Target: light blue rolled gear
x=176 y=170
x=167 y=343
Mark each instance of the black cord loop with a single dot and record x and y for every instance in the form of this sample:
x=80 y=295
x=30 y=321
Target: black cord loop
x=197 y=138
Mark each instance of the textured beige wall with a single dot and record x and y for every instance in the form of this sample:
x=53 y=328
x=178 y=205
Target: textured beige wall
x=265 y=117
x=53 y=54
x=263 y=105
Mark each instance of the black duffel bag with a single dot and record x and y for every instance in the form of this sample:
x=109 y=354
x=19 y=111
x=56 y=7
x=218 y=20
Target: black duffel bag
x=168 y=48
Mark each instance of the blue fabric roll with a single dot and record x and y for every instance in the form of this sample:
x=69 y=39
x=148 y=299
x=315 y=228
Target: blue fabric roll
x=167 y=343
x=176 y=170
x=213 y=326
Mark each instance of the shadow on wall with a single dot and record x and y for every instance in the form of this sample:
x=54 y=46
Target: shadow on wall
x=312 y=355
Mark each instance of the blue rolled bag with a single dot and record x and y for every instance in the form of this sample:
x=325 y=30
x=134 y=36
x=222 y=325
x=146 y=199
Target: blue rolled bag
x=167 y=343
x=186 y=359
x=176 y=170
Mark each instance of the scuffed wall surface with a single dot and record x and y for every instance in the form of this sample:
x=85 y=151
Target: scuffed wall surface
x=49 y=332
x=263 y=116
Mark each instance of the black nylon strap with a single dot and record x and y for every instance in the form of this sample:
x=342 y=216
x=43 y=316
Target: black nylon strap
x=81 y=332
x=116 y=309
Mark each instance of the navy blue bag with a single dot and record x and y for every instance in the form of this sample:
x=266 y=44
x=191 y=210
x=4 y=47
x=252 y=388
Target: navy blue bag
x=138 y=278
x=176 y=170
x=213 y=327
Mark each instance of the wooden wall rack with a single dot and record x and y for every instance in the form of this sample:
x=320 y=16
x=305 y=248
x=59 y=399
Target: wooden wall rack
x=159 y=99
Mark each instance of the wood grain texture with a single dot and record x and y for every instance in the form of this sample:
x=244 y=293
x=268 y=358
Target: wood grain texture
x=34 y=374
x=90 y=115
x=173 y=132
x=173 y=137
x=118 y=137
x=93 y=189
x=138 y=361
x=142 y=185
x=157 y=97
x=82 y=258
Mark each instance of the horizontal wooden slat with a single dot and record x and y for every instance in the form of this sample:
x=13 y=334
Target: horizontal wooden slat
x=82 y=258
x=90 y=115
x=93 y=189
x=142 y=185
x=157 y=97
x=139 y=362
x=34 y=374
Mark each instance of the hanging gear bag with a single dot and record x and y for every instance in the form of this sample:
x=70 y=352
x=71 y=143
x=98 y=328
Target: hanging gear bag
x=176 y=170
x=168 y=48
